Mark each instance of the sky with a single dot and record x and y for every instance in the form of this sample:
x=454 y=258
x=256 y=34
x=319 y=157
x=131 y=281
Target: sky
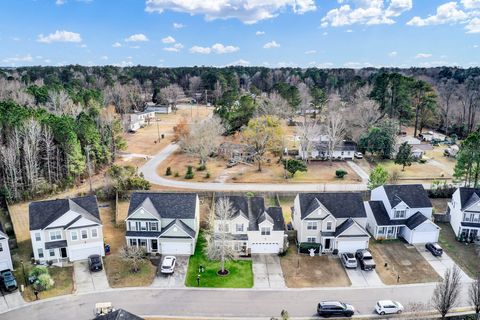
x=271 y=33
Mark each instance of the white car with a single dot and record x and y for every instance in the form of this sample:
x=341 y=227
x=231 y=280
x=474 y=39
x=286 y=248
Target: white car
x=358 y=155
x=168 y=264
x=349 y=261
x=388 y=307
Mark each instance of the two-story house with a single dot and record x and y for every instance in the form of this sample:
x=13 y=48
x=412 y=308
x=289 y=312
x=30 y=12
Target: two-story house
x=66 y=229
x=334 y=221
x=252 y=227
x=464 y=210
x=5 y=257
x=401 y=211
x=164 y=223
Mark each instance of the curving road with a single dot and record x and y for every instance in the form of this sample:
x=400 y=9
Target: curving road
x=240 y=303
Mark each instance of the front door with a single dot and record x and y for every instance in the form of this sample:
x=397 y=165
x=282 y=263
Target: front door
x=154 y=245
x=63 y=252
x=328 y=245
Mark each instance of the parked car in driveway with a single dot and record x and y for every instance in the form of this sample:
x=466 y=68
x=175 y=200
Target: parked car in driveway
x=168 y=264
x=348 y=260
x=8 y=281
x=365 y=260
x=334 y=308
x=434 y=248
x=388 y=307
x=358 y=155
x=95 y=263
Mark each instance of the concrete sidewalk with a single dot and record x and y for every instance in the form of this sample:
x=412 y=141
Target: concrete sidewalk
x=364 y=279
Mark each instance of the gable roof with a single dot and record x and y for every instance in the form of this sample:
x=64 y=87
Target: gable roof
x=119 y=314
x=340 y=204
x=179 y=223
x=3 y=235
x=167 y=205
x=346 y=225
x=414 y=195
x=43 y=213
x=415 y=220
x=468 y=196
x=381 y=216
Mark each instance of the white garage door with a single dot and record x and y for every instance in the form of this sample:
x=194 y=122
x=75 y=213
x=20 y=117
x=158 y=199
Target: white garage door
x=176 y=248
x=4 y=265
x=424 y=237
x=84 y=253
x=351 y=246
x=264 y=248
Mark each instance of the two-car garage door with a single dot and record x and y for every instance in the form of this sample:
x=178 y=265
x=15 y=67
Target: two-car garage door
x=351 y=245
x=264 y=248
x=176 y=248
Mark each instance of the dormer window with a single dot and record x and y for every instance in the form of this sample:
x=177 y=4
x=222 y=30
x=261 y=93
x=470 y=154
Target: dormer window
x=239 y=227
x=329 y=225
x=400 y=214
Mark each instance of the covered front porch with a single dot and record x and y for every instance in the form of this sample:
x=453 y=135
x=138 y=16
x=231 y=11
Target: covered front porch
x=150 y=245
x=469 y=234
x=388 y=232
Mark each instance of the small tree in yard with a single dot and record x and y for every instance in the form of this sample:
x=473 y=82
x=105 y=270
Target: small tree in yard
x=218 y=239
x=294 y=165
x=404 y=155
x=378 y=177
x=134 y=255
x=340 y=173
x=43 y=282
x=447 y=292
x=474 y=295
x=189 y=174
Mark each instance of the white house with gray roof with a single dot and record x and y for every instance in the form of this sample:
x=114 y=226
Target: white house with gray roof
x=163 y=223
x=253 y=228
x=464 y=210
x=66 y=229
x=334 y=221
x=5 y=257
x=401 y=211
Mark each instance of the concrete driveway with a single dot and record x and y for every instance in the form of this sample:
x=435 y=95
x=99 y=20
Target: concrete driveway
x=86 y=281
x=175 y=280
x=440 y=264
x=363 y=279
x=267 y=271
x=11 y=301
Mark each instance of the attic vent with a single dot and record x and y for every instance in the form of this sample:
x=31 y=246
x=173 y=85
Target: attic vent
x=175 y=229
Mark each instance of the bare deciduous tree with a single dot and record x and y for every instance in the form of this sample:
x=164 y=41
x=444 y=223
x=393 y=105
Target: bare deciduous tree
x=218 y=237
x=447 y=292
x=217 y=91
x=305 y=100
x=117 y=94
x=335 y=127
x=171 y=94
x=58 y=101
x=447 y=93
x=133 y=255
x=203 y=138
x=275 y=105
x=194 y=84
x=308 y=133
x=31 y=134
x=48 y=147
x=474 y=295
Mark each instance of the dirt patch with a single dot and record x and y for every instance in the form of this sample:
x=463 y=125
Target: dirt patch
x=440 y=204
x=303 y=271
x=402 y=260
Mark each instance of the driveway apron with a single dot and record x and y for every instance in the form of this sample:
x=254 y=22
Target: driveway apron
x=86 y=281
x=364 y=279
x=175 y=280
x=11 y=300
x=267 y=271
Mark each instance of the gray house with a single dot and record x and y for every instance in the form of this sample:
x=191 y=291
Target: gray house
x=165 y=223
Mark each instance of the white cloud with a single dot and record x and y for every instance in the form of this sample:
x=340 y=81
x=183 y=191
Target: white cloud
x=47 y=61
x=446 y=13
x=175 y=48
x=259 y=33
x=310 y=51
x=13 y=60
x=475 y=45
x=357 y=65
x=83 y=45
x=117 y=45
x=177 y=25
x=124 y=64
x=134 y=47
x=349 y=31
x=473 y=26
x=217 y=48
x=393 y=54
x=60 y=36
x=325 y=65
x=246 y=11
x=60 y=2
x=423 y=56
x=168 y=39
x=240 y=62
x=325 y=33
x=104 y=57
x=138 y=37
x=368 y=12
x=471 y=4
x=271 y=45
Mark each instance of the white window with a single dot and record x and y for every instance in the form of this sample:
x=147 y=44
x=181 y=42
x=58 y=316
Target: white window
x=143 y=226
x=37 y=236
x=381 y=231
x=142 y=242
x=133 y=242
x=265 y=231
x=312 y=239
x=40 y=253
x=311 y=225
x=74 y=235
x=84 y=234
x=239 y=227
x=400 y=214
x=94 y=233
x=153 y=226
x=329 y=225
x=55 y=235
x=223 y=227
x=52 y=252
x=1 y=247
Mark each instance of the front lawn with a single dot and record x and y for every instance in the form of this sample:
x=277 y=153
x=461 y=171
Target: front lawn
x=119 y=272
x=465 y=255
x=240 y=276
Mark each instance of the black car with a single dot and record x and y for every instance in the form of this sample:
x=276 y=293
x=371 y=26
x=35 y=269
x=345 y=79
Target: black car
x=365 y=260
x=95 y=262
x=334 y=308
x=434 y=248
x=8 y=281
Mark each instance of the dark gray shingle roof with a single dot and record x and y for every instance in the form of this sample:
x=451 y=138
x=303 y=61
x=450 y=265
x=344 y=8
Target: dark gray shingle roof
x=43 y=213
x=3 y=235
x=414 y=195
x=340 y=204
x=119 y=314
x=181 y=225
x=381 y=215
x=415 y=220
x=168 y=205
x=468 y=196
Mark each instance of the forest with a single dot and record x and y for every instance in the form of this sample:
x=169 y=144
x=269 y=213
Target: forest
x=57 y=124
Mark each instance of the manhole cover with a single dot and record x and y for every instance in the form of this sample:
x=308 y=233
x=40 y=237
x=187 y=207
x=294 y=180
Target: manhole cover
x=406 y=263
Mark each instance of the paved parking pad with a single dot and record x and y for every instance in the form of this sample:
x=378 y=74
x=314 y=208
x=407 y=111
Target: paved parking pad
x=363 y=279
x=440 y=264
x=87 y=281
x=10 y=301
x=175 y=280
x=267 y=271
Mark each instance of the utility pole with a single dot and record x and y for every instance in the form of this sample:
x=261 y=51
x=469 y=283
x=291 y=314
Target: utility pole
x=158 y=128
x=206 y=97
x=87 y=151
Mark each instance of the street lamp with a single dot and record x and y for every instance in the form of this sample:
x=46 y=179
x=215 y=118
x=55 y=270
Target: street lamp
x=23 y=271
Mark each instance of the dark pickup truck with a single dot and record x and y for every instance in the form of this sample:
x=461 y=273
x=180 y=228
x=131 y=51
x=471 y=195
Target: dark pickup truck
x=365 y=260
x=7 y=280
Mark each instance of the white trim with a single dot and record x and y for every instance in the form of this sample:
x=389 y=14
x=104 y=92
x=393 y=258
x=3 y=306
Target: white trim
x=181 y=228
x=361 y=228
x=138 y=209
x=74 y=232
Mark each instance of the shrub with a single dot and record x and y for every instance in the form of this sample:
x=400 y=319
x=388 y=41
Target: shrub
x=37 y=271
x=176 y=175
x=250 y=194
x=422 y=161
x=207 y=175
x=43 y=282
x=189 y=174
x=201 y=167
x=441 y=190
x=340 y=173
x=168 y=172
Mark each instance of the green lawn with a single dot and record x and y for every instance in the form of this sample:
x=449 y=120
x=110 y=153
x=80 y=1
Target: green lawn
x=240 y=276
x=465 y=255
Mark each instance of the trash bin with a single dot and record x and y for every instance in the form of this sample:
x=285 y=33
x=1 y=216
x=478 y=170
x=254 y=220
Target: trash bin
x=107 y=249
